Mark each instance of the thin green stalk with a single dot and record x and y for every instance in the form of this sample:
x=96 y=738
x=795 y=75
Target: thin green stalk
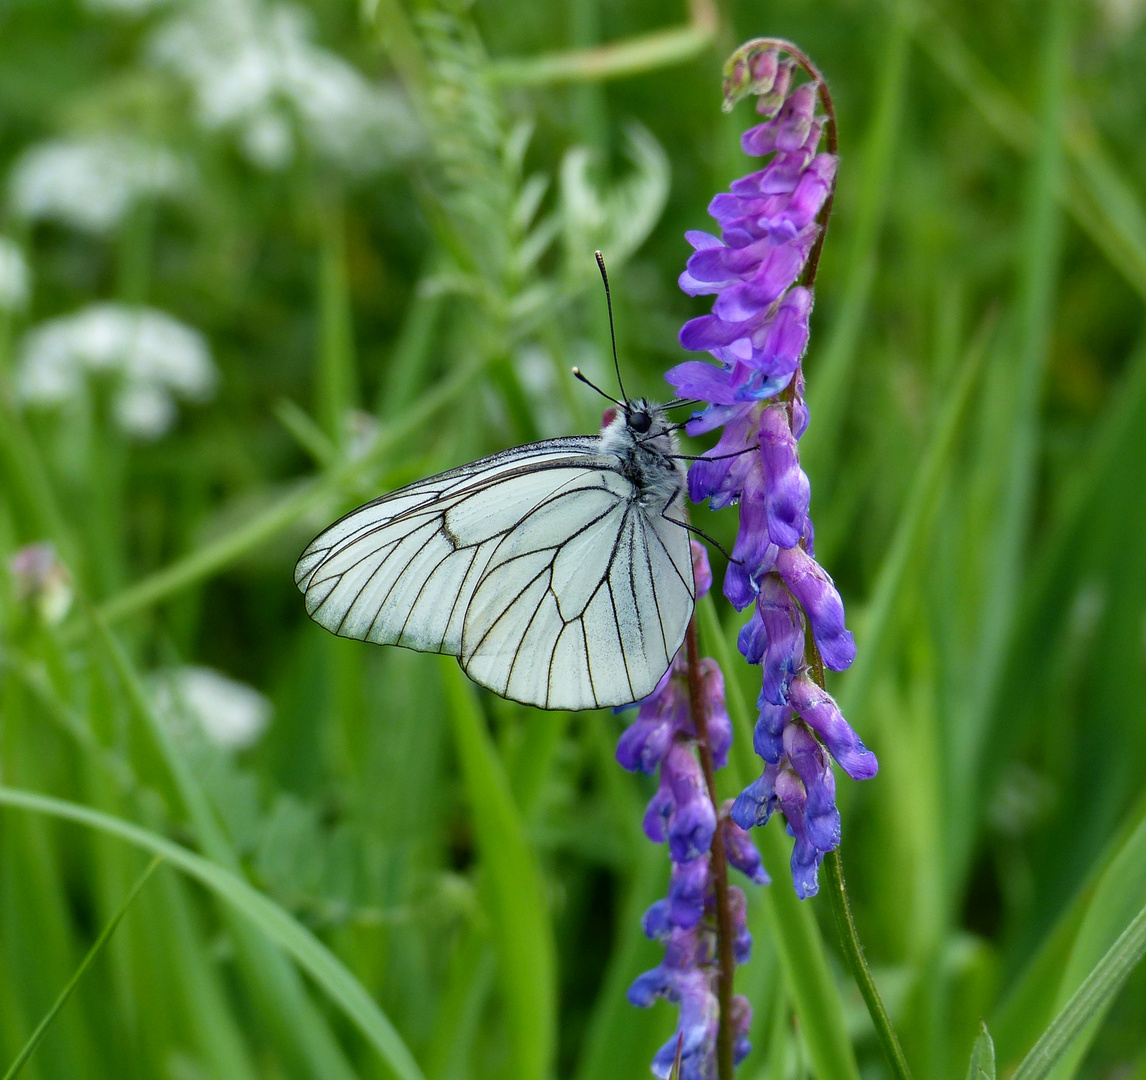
x=857 y=962
x=648 y=52
x=845 y=924
x=97 y=946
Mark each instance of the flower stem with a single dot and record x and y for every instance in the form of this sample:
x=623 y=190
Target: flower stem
x=853 y=950
x=846 y=925
x=719 y=865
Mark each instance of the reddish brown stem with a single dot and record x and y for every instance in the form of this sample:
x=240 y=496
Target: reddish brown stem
x=718 y=865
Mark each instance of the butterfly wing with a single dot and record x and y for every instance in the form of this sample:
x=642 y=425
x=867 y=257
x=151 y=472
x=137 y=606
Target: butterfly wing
x=583 y=604
x=536 y=567
x=401 y=569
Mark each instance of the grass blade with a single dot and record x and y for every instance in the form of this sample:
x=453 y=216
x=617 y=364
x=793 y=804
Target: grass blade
x=831 y=377
x=263 y=913
x=910 y=530
x=1099 y=199
x=512 y=883
x=97 y=947
x=1087 y=1002
x=1038 y=280
x=213 y=556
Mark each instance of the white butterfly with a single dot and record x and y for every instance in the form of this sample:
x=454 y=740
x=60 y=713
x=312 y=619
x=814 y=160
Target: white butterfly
x=558 y=573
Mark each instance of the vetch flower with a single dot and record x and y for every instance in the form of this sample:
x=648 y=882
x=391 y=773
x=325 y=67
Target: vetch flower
x=151 y=357
x=664 y=738
x=758 y=332
x=91 y=183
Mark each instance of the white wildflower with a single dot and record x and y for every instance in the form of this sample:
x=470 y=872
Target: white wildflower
x=230 y=713
x=253 y=66
x=91 y=183
x=14 y=286
x=150 y=355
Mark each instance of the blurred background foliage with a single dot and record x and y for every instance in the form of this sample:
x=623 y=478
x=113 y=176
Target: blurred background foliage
x=261 y=261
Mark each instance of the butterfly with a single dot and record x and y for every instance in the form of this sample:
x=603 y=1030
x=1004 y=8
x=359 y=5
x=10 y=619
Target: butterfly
x=558 y=573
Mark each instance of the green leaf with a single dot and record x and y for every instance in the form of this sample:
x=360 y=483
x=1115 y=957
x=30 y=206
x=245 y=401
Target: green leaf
x=982 y=1056
x=512 y=883
x=97 y=947
x=281 y=928
x=1068 y=1031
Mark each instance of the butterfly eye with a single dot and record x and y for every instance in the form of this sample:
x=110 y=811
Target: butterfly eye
x=640 y=421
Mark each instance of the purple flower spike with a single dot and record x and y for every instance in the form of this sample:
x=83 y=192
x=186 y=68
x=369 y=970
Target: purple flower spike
x=823 y=716
x=757 y=334
x=751 y=387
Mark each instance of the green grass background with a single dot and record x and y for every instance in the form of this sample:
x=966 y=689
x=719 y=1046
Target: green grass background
x=407 y=877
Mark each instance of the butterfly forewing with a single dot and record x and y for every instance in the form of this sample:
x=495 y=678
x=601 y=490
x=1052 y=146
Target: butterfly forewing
x=541 y=568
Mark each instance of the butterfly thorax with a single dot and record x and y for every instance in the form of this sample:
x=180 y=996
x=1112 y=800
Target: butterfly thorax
x=645 y=445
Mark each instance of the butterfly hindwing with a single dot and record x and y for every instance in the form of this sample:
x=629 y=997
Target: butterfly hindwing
x=568 y=614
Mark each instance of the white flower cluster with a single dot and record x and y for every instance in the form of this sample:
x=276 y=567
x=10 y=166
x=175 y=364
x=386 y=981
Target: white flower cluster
x=231 y=714
x=14 y=285
x=253 y=68
x=151 y=355
x=91 y=183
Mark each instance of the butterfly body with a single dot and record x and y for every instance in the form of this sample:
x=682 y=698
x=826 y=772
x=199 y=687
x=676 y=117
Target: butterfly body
x=559 y=573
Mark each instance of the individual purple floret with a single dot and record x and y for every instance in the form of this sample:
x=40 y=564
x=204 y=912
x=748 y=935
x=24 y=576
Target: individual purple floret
x=754 y=394
x=663 y=739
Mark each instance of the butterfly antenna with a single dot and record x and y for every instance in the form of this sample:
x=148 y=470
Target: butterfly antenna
x=581 y=377
x=612 y=332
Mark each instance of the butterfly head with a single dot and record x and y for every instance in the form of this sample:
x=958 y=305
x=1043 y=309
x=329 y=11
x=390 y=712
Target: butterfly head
x=639 y=428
